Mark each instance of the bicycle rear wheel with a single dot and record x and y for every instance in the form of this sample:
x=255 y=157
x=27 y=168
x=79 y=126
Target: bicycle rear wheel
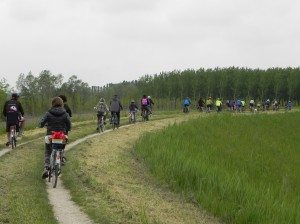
x=13 y=142
x=102 y=127
x=54 y=175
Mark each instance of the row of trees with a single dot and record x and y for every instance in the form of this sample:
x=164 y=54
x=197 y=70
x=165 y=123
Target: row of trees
x=168 y=89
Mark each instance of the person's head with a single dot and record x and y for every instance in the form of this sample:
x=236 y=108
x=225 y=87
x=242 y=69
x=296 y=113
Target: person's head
x=57 y=102
x=15 y=96
x=149 y=97
x=102 y=100
x=63 y=97
x=144 y=96
x=132 y=101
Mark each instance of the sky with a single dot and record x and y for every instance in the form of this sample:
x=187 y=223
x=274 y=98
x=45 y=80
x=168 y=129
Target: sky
x=108 y=41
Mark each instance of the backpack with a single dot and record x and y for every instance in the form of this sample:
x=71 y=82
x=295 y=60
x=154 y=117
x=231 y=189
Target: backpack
x=144 y=101
x=101 y=108
x=186 y=102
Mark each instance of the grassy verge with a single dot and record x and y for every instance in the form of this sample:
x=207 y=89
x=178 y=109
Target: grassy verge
x=244 y=169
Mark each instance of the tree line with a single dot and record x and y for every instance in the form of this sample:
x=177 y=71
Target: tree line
x=167 y=89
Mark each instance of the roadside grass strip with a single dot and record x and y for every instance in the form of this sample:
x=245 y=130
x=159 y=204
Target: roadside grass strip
x=244 y=169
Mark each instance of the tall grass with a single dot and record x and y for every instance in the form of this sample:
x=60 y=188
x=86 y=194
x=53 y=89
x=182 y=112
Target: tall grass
x=244 y=169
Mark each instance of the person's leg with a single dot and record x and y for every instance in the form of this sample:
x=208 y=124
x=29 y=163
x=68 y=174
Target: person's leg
x=47 y=155
x=118 y=115
x=7 y=134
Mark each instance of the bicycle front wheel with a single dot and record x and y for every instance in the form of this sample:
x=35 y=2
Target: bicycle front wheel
x=54 y=176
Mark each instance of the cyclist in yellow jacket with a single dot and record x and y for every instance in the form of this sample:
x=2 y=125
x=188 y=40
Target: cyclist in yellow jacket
x=218 y=105
x=209 y=104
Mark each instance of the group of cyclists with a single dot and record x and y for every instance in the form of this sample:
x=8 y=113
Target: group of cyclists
x=115 y=106
x=234 y=105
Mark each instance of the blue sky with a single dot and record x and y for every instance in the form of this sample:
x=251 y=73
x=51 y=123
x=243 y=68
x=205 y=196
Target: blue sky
x=115 y=40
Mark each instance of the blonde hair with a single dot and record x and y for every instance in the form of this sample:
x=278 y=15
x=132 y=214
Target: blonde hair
x=57 y=102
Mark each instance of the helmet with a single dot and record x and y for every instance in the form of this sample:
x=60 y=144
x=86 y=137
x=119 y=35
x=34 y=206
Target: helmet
x=132 y=101
x=149 y=97
x=15 y=95
x=102 y=100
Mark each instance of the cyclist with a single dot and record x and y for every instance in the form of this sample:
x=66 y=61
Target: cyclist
x=218 y=105
x=14 y=114
x=66 y=106
x=275 y=105
x=145 y=104
x=115 y=106
x=102 y=110
x=209 y=104
x=200 y=104
x=150 y=104
x=133 y=108
x=267 y=104
x=186 y=104
x=251 y=105
x=239 y=105
x=289 y=105
x=56 y=119
x=243 y=105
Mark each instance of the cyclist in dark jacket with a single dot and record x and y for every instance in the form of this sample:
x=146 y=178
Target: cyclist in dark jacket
x=13 y=112
x=56 y=119
x=66 y=106
x=115 y=106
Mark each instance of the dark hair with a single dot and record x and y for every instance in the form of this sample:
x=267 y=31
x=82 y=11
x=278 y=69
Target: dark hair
x=63 y=97
x=57 y=102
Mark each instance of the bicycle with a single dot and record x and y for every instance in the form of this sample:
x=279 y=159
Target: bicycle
x=145 y=116
x=100 y=123
x=13 y=136
x=58 y=142
x=186 y=109
x=114 y=121
x=132 y=117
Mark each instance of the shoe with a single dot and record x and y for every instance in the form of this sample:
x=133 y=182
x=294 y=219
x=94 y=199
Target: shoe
x=7 y=143
x=97 y=129
x=45 y=173
x=104 y=123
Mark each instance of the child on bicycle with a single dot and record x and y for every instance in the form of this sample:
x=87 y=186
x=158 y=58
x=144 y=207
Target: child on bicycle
x=102 y=110
x=56 y=119
x=133 y=108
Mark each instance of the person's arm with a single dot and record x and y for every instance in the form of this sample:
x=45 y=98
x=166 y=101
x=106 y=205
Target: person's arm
x=43 y=121
x=121 y=107
x=20 y=108
x=68 y=110
x=68 y=123
x=4 y=109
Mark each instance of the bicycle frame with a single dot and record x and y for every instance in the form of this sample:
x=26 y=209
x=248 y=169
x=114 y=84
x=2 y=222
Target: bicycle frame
x=132 y=117
x=100 y=123
x=114 y=120
x=57 y=146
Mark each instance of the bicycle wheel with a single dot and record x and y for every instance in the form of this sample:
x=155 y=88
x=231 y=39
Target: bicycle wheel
x=98 y=126
x=102 y=127
x=13 y=142
x=49 y=174
x=54 y=176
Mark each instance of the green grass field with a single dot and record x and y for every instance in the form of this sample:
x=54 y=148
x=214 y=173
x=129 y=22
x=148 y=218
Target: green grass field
x=244 y=169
